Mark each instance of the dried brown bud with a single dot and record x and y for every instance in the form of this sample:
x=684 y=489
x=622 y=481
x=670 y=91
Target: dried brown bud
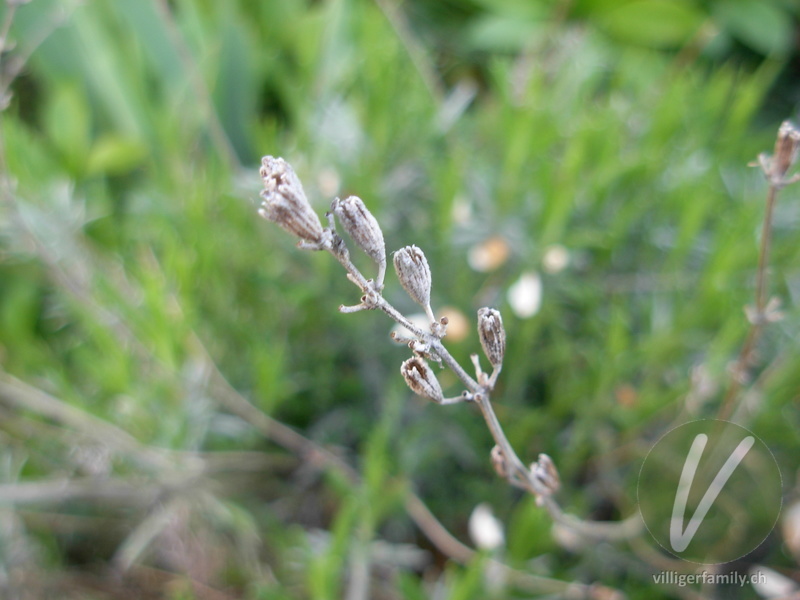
x=285 y=202
x=492 y=334
x=499 y=462
x=421 y=380
x=786 y=149
x=360 y=225
x=414 y=275
x=546 y=473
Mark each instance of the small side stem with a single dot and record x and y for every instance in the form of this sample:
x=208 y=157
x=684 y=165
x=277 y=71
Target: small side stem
x=763 y=256
x=453 y=365
x=745 y=354
x=396 y=316
x=343 y=257
x=516 y=468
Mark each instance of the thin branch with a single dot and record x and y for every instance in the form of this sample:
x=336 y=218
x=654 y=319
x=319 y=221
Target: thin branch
x=23 y=396
x=448 y=545
x=416 y=508
x=775 y=169
x=62 y=490
x=285 y=203
x=139 y=540
x=518 y=474
x=739 y=370
x=230 y=399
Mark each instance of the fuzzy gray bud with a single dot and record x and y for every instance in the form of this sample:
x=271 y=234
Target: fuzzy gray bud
x=360 y=225
x=786 y=148
x=414 y=274
x=285 y=202
x=421 y=380
x=492 y=334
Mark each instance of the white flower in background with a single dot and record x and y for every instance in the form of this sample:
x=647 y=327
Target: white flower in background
x=525 y=295
x=556 y=259
x=484 y=528
x=329 y=182
x=791 y=528
x=771 y=584
x=488 y=255
x=461 y=211
x=458 y=326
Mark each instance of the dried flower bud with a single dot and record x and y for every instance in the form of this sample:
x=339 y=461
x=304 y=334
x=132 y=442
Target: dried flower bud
x=499 y=462
x=360 y=225
x=786 y=149
x=414 y=275
x=421 y=380
x=492 y=334
x=546 y=473
x=285 y=202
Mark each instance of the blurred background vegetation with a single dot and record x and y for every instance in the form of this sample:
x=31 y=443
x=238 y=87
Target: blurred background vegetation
x=150 y=325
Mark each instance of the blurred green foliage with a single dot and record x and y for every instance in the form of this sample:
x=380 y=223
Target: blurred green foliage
x=764 y=28
x=130 y=253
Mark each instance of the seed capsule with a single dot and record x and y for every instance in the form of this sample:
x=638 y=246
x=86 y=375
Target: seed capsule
x=285 y=202
x=414 y=275
x=786 y=148
x=492 y=334
x=499 y=462
x=421 y=380
x=546 y=473
x=360 y=225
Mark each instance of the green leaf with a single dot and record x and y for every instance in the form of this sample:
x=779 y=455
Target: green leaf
x=520 y=9
x=653 y=23
x=760 y=25
x=67 y=123
x=115 y=154
x=529 y=532
x=502 y=34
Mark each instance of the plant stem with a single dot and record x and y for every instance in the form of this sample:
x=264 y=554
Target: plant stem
x=746 y=353
x=518 y=474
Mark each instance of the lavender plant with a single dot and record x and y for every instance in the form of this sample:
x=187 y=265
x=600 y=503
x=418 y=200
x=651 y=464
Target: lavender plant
x=285 y=203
